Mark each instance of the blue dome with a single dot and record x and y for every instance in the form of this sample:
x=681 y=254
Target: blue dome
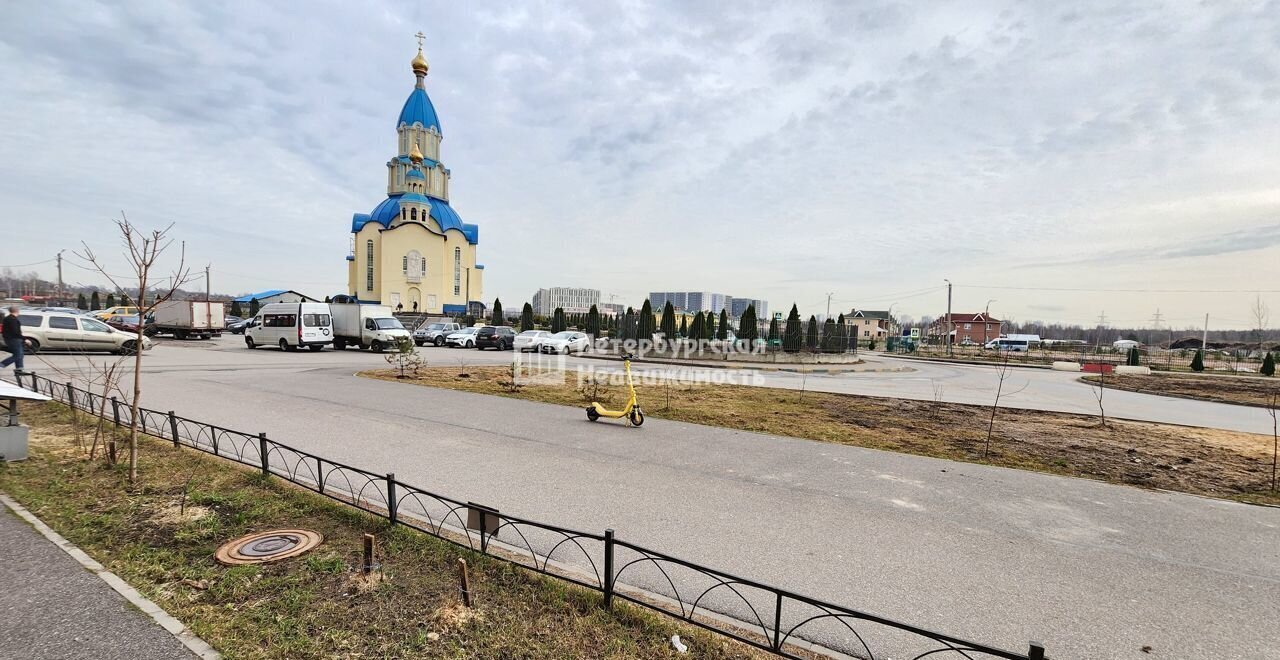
x=386 y=212
x=415 y=174
x=417 y=108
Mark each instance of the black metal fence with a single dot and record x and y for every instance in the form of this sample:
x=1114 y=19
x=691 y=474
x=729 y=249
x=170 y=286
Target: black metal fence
x=766 y=617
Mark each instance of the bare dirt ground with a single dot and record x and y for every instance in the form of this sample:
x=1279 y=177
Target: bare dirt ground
x=1246 y=390
x=1209 y=462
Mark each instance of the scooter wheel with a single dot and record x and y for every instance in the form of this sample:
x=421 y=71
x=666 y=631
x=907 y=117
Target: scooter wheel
x=637 y=417
x=592 y=414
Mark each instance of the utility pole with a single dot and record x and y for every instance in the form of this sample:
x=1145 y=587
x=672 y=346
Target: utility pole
x=1204 y=342
x=829 y=294
x=986 y=319
x=60 y=301
x=947 y=329
x=208 y=310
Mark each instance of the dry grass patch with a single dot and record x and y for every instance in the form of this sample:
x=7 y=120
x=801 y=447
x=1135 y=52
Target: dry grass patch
x=1246 y=390
x=1209 y=462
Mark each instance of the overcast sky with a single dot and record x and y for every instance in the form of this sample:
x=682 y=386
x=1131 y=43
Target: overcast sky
x=760 y=149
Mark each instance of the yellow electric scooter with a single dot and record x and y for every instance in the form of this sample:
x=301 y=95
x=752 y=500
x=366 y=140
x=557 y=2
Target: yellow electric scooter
x=631 y=411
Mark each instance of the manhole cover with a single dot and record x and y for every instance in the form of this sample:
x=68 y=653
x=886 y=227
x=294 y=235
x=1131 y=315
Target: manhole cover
x=268 y=546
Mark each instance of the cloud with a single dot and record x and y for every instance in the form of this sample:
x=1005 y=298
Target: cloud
x=763 y=149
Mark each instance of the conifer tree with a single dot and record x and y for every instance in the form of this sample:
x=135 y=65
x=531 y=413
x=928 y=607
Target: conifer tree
x=775 y=332
x=1133 y=359
x=644 y=325
x=668 y=321
x=81 y=302
x=526 y=317
x=1197 y=362
x=829 y=339
x=1268 y=365
x=684 y=325
x=593 y=322
x=793 y=336
x=95 y=303
x=235 y=309
x=111 y=300
x=843 y=337
x=695 y=329
x=722 y=332
x=557 y=320
x=254 y=307
x=709 y=326
x=811 y=334
x=748 y=326
x=497 y=317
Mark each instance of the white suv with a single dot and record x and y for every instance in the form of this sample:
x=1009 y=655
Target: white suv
x=71 y=332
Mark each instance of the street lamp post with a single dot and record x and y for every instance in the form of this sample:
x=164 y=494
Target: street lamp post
x=947 y=327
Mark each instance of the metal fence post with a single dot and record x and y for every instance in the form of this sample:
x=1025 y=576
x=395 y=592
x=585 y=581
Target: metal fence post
x=115 y=410
x=777 y=623
x=173 y=428
x=608 y=569
x=262 y=453
x=71 y=394
x=1036 y=652
x=391 y=496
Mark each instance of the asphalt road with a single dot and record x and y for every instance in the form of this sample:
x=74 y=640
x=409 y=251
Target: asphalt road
x=994 y=555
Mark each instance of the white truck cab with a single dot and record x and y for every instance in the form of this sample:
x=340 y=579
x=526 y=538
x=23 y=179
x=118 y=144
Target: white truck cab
x=366 y=326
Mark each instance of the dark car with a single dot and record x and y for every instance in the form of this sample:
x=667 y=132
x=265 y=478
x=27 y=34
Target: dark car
x=130 y=324
x=495 y=336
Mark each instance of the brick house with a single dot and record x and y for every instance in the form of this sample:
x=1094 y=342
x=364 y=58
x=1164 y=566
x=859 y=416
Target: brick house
x=966 y=329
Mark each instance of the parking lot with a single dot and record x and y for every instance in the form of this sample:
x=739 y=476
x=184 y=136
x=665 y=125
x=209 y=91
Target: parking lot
x=1093 y=570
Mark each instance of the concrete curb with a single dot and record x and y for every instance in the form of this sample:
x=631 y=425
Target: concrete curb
x=816 y=368
x=175 y=627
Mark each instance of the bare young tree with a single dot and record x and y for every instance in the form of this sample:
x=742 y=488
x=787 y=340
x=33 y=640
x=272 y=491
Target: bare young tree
x=1100 y=388
x=142 y=251
x=1275 y=438
x=1261 y=314
x=1002 y=372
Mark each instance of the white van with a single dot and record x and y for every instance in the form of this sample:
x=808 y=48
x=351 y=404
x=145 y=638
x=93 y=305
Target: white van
x=291 y=325
x=1006 y=344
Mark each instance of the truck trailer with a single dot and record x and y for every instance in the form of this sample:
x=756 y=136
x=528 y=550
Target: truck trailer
x=189 y=318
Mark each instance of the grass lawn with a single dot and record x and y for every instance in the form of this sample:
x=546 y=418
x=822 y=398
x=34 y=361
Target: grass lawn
x=1209 y=462
x=317 y=605
x=1246 y=390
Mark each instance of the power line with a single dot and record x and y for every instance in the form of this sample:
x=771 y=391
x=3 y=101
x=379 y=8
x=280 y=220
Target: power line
x=1042 y=288
x=38 y=263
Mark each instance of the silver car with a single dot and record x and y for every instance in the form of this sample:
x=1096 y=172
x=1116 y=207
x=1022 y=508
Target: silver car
x=72 y=332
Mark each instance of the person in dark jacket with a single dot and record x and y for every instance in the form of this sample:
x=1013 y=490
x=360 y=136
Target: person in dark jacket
x=12 y=331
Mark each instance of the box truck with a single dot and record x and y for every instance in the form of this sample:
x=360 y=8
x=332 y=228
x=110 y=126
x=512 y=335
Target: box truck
x=189 y=318
x=366 y=326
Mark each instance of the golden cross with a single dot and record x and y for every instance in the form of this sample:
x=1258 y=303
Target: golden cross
x=420 y=37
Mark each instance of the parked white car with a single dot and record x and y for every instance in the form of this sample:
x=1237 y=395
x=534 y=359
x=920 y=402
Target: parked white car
x=565 y=342
x=530 y=340
x=74 y=332
x=464 y=338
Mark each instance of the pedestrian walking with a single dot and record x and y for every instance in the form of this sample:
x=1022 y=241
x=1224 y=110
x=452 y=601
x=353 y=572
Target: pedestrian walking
x=12 y=332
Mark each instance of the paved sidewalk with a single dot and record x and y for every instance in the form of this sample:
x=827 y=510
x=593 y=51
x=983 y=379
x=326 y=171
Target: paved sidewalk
x=51 y=607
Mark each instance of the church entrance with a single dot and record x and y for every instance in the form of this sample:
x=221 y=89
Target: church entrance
x=415 y=299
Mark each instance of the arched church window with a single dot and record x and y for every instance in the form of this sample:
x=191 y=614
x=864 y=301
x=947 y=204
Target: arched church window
x=404 y=266
x=368 y=265
x=413 y=215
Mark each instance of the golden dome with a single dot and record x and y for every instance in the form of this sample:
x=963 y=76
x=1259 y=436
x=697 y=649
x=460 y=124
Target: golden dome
x=419 y=63
x=415 y=154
